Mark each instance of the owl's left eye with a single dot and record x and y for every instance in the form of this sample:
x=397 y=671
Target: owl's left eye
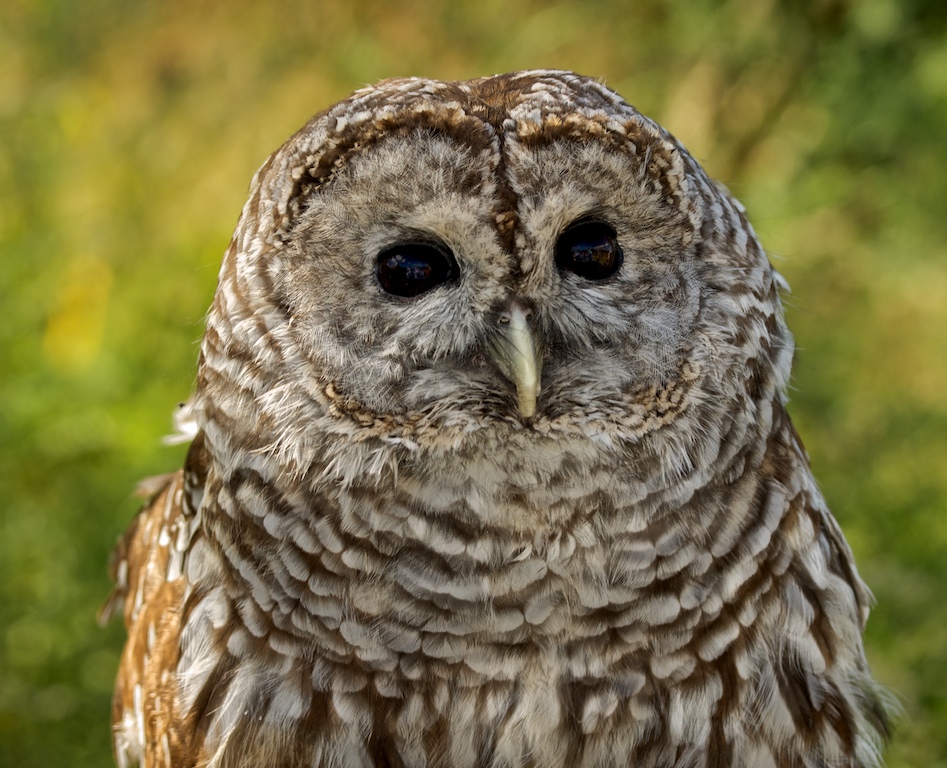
x=410 y=269
x=589 y=249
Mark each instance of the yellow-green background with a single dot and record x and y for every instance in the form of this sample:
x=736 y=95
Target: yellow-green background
x=128 y=135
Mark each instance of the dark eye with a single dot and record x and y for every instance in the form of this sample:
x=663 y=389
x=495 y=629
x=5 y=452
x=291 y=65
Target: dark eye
x=410 y=269
x=590 y=250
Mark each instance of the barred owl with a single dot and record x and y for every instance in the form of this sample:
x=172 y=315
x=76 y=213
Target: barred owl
x=491 y=465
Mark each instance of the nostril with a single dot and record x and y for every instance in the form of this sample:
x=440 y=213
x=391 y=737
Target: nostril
x=511 y=309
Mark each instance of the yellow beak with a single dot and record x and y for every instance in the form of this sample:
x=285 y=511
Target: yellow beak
x=516 y=351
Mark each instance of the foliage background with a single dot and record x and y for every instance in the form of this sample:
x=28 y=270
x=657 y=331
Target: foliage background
x=130 y=130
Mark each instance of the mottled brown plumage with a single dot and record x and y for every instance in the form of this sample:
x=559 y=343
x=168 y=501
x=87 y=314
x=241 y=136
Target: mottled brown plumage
x=492 y=466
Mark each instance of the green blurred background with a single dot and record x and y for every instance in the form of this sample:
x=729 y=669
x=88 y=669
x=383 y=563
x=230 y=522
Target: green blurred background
x=130 y=131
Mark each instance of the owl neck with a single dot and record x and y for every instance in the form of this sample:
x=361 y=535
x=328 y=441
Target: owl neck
x=533 y=532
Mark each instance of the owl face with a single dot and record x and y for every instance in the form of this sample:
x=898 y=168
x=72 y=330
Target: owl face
x=519 y=253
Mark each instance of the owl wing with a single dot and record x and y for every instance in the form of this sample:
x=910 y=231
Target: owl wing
x=147 y=568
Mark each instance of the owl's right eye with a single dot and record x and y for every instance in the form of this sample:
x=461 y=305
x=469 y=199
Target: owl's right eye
x=410 y=269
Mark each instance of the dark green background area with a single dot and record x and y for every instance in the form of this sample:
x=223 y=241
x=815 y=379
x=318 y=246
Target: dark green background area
x=128 y=135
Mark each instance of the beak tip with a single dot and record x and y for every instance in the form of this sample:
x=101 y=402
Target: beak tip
x=526 y=400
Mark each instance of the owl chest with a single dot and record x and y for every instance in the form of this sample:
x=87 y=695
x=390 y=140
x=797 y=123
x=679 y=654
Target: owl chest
x=456 y=702
x=534 y=664
x=380 y=636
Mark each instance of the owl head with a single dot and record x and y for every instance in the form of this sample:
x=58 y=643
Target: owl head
x=522 y=256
